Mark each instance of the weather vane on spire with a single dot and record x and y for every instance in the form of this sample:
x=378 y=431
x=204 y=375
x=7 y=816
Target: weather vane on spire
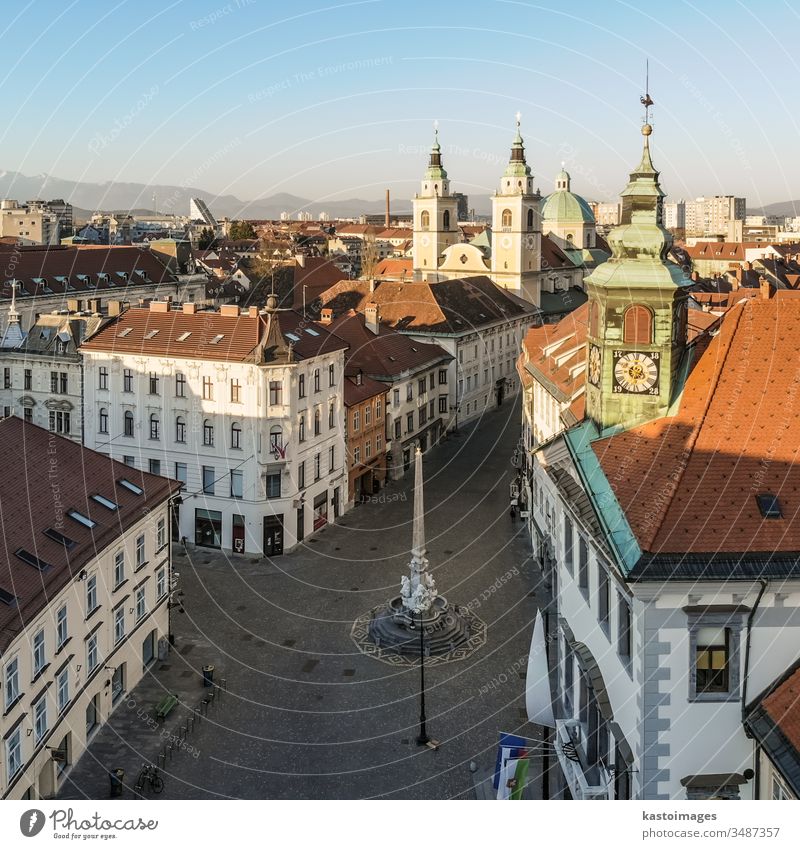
x=518 y=116
x=646 y=100
x=436 y=126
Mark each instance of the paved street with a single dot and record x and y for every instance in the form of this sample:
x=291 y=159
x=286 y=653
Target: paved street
x=306 y=715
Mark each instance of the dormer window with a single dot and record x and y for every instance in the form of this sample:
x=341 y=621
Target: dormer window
x=769 y=505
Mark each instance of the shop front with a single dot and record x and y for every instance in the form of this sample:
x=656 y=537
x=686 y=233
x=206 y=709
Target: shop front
x=208 y=528
x=321 y=510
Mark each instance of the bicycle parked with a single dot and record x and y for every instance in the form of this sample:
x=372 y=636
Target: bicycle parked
x=149 y=774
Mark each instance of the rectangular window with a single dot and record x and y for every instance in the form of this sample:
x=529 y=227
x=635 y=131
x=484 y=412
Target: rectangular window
x=316 y=380
x=61 y=626
x=624 y=627
x=443 y=403
x=11 y=683
x=63 y=382
x=181 y=472
x=237 y=483
x=275 y=392
x=711 y=660
x=301 y=429
x=301 y=475
x=569 y=545
x=161 y=583
x=301 y=386
x=317 y=467
x=442 y=376
x=28 y=379
x=208 y=480
x=331 y=417
x=367 y=415
x=154 y=466
x=38 y=652
x=583 y=565
x=155 y=426
x=236 y=392
x=331 y=458
x=378 y=411
x=119 y=568
x=410 y=423
x=421 y=386
x=398 y=428
x=357 y=454
x=102 y=377
x=27 y=414
x=409 y=392
x=331 y=375
x=396 y=396
x=140 y=551
x=40 y=719
x=119 y=624
x=161 y=534
x=431 y=409
x=602 y=595
x=153 y=383
x=423 y=414
x=368 y=449
x=62 y=689
x=273 y=482
x=127 y=380
x=141 y=603
x=180 y=384
x=208 y=389
x=92 y=714
x=92 y=658
x=91 y=594
x=14 y=754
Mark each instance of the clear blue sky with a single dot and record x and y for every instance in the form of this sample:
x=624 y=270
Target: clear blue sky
x=252 y=97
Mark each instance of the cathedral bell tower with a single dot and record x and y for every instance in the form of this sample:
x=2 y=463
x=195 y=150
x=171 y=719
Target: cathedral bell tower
x=637 y=311
x=435 y=216
x=517 y=227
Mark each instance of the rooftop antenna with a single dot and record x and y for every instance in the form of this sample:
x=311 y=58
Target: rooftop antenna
x=646 y=100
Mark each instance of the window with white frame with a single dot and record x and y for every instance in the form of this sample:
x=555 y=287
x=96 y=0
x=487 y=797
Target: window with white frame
x=141 y=603
x=62 y=689
x=38 y=652
x=119 y=568
x=40 y=719
x=161 y=534
x=92 y=657
x=61 y=626
x=119 y=624
x=91 y=594
x=140 y=551
x=161 y=583
x=13 y=754
x=11 y=683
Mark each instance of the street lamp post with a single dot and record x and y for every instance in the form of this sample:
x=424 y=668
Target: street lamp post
x=422 y=737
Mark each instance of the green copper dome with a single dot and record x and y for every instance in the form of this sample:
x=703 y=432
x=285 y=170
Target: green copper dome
x=565 y=207
x=435 y=169
x=517 y=166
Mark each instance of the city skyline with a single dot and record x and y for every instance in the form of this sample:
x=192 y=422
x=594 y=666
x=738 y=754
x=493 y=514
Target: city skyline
x=349 y=112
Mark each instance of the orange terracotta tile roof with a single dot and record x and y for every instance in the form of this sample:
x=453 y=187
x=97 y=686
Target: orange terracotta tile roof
x=544 y=356
x=687 y=483
x=398 y=267
x=783 y=707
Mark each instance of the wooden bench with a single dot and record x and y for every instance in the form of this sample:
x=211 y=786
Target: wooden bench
x=164 y=707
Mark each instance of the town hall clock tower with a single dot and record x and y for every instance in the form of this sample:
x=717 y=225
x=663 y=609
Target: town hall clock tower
x=637 y=311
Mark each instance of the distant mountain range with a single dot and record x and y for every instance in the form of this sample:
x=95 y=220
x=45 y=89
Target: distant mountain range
x=89 y=197
x=784 y=207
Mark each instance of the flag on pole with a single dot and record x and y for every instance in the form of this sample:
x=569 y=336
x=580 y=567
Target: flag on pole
x=509 y=746
x=538 y=695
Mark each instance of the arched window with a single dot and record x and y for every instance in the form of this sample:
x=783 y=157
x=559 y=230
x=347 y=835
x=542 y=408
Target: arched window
x=446 y=220
x=103 y=420
x=128 y=427
x=588 y=240
x=506 y=218
x=155 y=426
x=208 y=432
x=317 y=422
x=180 y=429
x=236 y=435
x=276 y=438
x=638 y=325
x=530 y=219
x=425 y=219
x=594 y=320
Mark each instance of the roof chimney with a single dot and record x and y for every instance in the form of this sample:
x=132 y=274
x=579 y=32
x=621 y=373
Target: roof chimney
x=229 y=309
x=73 y=305
x=114 y=307
x=189 y=309
x=159 y=306
x=300 y=259
x=326 y=316
x=372 y=317
x=766 y=288
x=253 y=312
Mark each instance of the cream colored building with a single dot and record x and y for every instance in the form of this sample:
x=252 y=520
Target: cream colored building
x=33 y=223
x=84 y=600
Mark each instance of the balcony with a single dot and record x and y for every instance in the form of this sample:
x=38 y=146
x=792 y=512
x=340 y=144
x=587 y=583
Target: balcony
x=584 y=781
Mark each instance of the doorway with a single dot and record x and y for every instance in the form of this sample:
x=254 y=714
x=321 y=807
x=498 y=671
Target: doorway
x=273 y=535
x=237 y=534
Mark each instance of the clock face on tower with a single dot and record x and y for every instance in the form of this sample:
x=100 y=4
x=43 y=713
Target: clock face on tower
x=506 y=242
x=594 y=365
x=636 y=373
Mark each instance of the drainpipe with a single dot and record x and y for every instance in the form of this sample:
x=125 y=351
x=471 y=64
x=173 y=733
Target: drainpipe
x=750 y=618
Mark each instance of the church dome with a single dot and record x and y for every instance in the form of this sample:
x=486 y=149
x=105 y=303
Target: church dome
x=564 y=206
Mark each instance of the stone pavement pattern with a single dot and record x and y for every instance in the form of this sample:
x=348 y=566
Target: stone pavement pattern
x=306 y=715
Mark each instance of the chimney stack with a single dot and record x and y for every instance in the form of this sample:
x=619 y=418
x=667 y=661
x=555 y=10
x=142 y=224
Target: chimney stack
x=388 y=216
x=300 y=259
x=326 y=316
x=73 y=305
x=159 y=306
x=765 y=287
x=372 y=317
x=189 y=308
x=114 y=307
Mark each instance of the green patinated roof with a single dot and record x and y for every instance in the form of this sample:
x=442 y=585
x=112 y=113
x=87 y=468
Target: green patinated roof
x=616 y=529
x=565 y=206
